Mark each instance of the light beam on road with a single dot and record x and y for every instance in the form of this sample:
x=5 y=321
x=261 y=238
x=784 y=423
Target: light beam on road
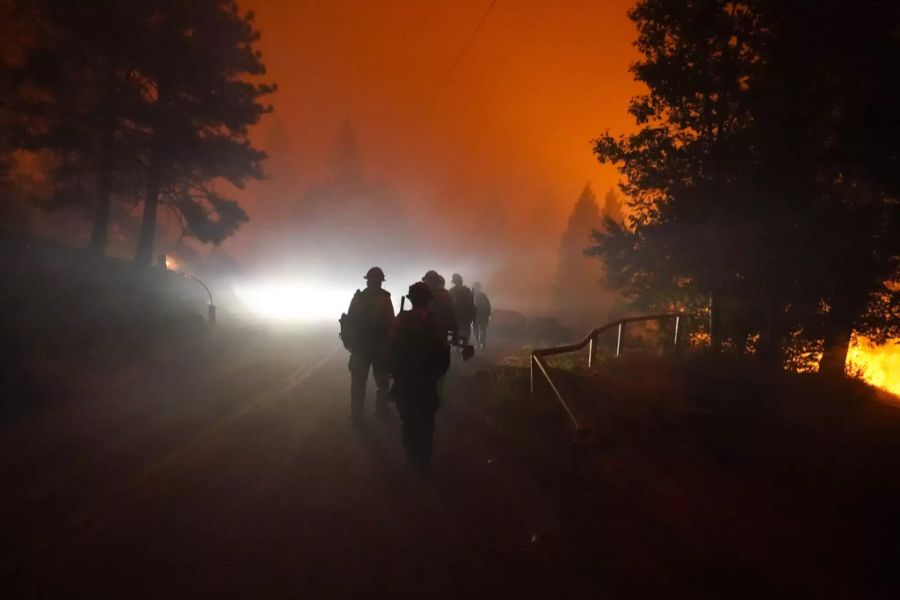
x=287 y=300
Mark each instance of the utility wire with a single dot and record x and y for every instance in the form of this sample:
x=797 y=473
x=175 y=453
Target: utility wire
x=462 y=53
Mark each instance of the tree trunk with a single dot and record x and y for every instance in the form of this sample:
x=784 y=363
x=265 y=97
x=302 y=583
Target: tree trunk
x=837 y=343
x=768 y=350
x=715 y=321
x=144 y=255
x=100 y=228
x=772 y=332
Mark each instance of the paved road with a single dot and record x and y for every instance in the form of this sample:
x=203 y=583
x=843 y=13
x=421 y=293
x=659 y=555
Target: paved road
x=236 y=475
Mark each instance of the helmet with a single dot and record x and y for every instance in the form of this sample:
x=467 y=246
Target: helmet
x=456 y=279
x=375 y=273
x=431 y=277
x=419 y=292
x=476 y=285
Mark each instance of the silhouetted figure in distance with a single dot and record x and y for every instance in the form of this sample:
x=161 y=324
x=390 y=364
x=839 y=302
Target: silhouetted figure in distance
x=419 y=357
x=365 y=334
x=463 y=306
x=441 y=305
x=482 y=314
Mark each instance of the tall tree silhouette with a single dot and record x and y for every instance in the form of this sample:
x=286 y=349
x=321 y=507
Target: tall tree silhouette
x=340 y=211
x=846 y=184
x=577 y=277
x=758 y=178
x=680 y=166
x=346 y=158
x=200 y=63
x=75 y=89
x=612 y=206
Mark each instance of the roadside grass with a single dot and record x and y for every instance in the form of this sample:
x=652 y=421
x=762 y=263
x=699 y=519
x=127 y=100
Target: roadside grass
x=69 y=318
x=705 y=477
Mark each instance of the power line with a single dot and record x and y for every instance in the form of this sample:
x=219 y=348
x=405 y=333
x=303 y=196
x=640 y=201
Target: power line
x=462 y=53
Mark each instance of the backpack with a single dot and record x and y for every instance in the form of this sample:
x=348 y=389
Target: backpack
x=349 y=327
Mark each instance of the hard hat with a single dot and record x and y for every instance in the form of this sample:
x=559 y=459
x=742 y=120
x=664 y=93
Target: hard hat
x=431 y=277
x=419 y=291
x=457 y=279
x=375 y=273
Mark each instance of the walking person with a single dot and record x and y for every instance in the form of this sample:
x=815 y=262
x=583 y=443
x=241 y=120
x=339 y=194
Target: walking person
x=463 y=307
x=365 y=329
x=419 y=357
x=482 y=315
x=441 y=304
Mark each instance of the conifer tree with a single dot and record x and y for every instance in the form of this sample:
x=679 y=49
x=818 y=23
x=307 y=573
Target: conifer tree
x=200 y=71
x=577 y=277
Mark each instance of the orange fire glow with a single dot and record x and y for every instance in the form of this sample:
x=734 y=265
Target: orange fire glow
x=878 y=365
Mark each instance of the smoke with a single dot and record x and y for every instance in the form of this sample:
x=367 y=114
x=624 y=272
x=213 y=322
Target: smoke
x=369 y=166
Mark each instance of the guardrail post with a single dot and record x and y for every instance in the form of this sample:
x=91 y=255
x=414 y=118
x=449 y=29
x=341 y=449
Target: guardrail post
x=592 y=351
x=675 y=340
x=619 y=339
x=531 y=365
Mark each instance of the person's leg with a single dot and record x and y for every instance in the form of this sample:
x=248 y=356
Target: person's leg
x=407 y=427
x=465 y=330
x=415 y=455
x=359 y=376
x=382 y=382
x=426 y=439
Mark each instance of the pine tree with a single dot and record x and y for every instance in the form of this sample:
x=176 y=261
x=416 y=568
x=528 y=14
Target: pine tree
x=75 y=90
x=341 y=211
x=577 y=277
x=612 y=206
x=759 y=179
x=200 y=63
x=682 y=168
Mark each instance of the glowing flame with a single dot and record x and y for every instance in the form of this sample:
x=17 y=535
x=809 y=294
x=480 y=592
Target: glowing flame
x=876 y=364
x=171 y=263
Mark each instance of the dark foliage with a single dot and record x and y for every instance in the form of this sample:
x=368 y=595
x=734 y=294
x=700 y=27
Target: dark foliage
x=139 y=97
x=201 y=60
x=763 y=194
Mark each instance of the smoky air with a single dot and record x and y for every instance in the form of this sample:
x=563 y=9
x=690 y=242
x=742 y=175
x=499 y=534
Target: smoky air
x=483 y=298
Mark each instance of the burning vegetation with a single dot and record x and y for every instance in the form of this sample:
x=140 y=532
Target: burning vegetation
x=877 y=364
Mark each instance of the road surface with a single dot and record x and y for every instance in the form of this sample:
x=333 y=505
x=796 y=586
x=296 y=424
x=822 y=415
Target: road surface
x=234 y=473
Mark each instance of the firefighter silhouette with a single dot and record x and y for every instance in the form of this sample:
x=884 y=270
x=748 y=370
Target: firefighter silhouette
x=364 y=330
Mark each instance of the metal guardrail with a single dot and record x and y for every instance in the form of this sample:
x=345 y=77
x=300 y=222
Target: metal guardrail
x=590 y=340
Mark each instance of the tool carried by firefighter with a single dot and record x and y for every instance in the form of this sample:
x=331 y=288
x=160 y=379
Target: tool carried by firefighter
x=467 y=351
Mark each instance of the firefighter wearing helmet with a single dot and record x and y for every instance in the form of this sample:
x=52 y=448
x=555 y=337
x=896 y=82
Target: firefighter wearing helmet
x=463 y=306
x=482 y=314
x=364 y=330
x=419 y=358
x=441 y=304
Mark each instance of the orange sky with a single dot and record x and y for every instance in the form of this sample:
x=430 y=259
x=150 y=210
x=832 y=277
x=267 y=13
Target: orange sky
x=510 y=126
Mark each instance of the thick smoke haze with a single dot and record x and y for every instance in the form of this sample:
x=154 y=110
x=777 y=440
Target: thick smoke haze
x=380 y=152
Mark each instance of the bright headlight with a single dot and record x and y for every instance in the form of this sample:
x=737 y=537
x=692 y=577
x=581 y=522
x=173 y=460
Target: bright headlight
x=292 y=300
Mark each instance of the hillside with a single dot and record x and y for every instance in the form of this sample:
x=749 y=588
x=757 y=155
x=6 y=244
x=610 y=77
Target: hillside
x=705 y=478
